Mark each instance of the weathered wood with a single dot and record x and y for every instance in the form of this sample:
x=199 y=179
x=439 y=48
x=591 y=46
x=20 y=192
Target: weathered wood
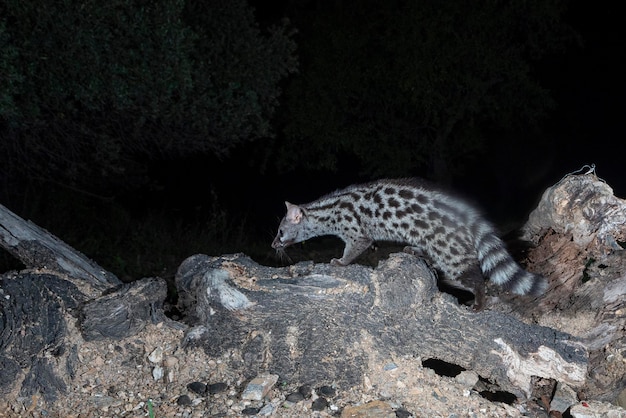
x=36 y=248
x=312 y=322
x=579 y=227
x=37 y=314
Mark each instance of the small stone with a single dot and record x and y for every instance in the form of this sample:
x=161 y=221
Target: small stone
x=170 y=361
x=295 y=397
x=267 y=410
x=390 y=366
x=170 y=376
x=374 y=409
x=306 y=391
x=157 y=373
x=319 y=404
x=259 y=386
x=197 y=387
x=402 y=413
x=467 y=378
x=563 y=398
x=326 y=391
x=156 y=356
x=250 y=411
x=183 y=400
x=214 y=388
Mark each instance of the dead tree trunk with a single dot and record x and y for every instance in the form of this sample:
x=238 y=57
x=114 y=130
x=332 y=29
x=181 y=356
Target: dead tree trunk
x=40 y=250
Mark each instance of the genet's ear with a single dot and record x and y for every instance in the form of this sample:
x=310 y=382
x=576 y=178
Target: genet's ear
x=294 y=213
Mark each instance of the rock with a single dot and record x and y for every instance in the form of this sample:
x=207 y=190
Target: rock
x=467 y=378
x=156 y=356
x=374 y=409
x=596 y=409
x=259 y=386
x=563 y=398
x=402 y=413
x=197 y=387
x=306 y=391
x=295 y=397
x=216 y=388
x=183 y=400
x=157 y=373
x=267 y=410
x=326 y=391
x=319 y=404
x=250 y=411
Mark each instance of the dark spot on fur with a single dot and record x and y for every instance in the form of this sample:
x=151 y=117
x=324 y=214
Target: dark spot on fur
x=433 y=216
x=402 y=212
x=365 y=210
x=404 y=225
x=377 y=198
x=386 y=215
x=417 y=208
x=449 y=222
x=421 y=224
x=406 y=194
x=390 y=190
x=346 y=205
x=394 y=203
x=422 y=199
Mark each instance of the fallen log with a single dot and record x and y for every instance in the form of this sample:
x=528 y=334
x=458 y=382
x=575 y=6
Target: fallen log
x=314 y=322
x=37 y=249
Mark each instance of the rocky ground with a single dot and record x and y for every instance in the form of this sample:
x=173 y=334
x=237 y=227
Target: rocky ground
x=151 y=375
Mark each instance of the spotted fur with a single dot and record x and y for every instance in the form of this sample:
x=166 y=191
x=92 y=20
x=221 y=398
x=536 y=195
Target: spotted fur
x=447 y=230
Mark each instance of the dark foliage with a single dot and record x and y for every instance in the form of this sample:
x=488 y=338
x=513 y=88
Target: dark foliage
x=92 y=91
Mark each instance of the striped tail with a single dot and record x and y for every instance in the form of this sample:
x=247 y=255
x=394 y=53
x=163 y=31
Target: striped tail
x=497 y=264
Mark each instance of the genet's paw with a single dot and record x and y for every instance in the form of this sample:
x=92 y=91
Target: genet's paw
x=336 y=262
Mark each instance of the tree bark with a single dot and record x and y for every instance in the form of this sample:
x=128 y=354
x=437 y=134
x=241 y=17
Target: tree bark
x=312 y=322
x=37 y=249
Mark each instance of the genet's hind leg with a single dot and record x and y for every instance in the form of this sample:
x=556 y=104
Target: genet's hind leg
x=473 y=280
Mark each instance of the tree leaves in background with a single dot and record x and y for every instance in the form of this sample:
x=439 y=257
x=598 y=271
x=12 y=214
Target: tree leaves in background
x=93 y=90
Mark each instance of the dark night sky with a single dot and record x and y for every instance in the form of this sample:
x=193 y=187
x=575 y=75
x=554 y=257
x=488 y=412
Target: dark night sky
x=589 y=86
x=586 y=128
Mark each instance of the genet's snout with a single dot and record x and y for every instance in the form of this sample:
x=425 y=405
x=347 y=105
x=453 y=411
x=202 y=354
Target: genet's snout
x=277 y=243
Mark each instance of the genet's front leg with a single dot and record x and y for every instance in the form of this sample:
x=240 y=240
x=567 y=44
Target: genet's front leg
x=416 y=251
x=352 y=250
